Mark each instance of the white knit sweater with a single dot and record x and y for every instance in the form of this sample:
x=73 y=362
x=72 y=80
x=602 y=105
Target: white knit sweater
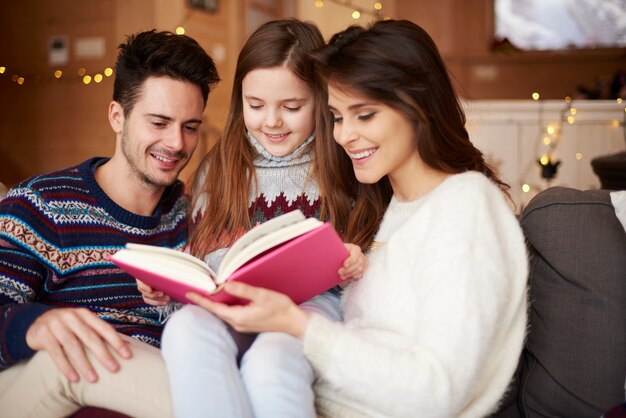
x=436 y=326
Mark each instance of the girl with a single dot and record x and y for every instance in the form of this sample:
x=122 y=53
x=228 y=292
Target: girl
x=436 y=326
x=262 y=167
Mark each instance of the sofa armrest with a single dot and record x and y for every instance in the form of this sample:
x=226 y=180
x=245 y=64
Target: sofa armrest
x=574 y=362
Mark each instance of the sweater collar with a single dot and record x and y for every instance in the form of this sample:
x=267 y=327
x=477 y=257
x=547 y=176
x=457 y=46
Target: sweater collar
x=265 y=159
x=166 y=204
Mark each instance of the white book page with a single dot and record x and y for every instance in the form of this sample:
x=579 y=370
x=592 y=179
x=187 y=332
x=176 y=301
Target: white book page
x=263 y=243
x=259 y=231
x=176 y=268
x=172 y=254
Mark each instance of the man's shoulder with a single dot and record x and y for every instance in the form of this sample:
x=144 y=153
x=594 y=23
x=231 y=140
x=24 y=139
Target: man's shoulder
x=54 y=179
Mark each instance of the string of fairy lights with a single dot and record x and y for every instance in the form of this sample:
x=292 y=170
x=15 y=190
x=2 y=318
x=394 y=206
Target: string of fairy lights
x=550 y=137
x=60 y=75
x=356 y=11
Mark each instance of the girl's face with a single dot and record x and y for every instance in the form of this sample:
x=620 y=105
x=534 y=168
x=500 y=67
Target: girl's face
x=378 y=139
x=278 y=109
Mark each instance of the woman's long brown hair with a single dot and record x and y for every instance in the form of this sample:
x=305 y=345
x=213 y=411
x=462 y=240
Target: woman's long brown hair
x=227 y=175
x=395 y=63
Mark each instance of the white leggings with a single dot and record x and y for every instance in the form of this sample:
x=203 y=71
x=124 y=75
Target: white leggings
x=274 y=378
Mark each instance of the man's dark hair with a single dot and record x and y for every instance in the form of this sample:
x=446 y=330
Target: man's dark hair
x=155 y=54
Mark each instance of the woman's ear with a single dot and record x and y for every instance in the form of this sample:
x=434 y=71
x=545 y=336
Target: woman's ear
x=116 y=117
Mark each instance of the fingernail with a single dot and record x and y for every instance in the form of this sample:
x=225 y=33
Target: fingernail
x=112 y=365
x=73 y=377
x=125 y=352
x=91 y=376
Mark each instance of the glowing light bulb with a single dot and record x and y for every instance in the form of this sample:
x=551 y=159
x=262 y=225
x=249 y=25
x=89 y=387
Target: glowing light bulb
x=108 y=72
x=20 y=80
x=619 y=99
x=573 y=111
x=544 y=160
x=579 y=156
x=550 y=130
x=87 y=79
x=97 y=78
x=615 y=123
x=568 y=99
x=547 y=140
x=570 y=119
x=378 y=5
x=525 y=188
x=2 y=70
x=180 y=30
x=356 y=14
x=82 y=72
x=535 y=96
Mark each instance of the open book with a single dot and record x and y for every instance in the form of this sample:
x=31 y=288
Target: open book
x=290 y=254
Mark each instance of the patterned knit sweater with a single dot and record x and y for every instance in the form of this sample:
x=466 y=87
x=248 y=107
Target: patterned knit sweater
x=284 y=185
x=55 y=233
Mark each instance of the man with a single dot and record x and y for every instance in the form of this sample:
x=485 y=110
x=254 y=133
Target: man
x=74 y=330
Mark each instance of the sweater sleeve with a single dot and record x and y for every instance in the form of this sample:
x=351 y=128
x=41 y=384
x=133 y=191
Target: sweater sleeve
x=22 y=275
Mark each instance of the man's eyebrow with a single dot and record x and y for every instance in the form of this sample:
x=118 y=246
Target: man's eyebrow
x=169 y=119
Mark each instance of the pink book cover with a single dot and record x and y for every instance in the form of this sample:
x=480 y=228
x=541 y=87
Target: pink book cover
x=301 y=268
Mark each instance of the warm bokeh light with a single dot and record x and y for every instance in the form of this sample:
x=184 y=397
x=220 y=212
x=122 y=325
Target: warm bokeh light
x=550 y=130
x=570 y=119
x=579 y=156
x=619 y=99
x=535 y=96
x=180 y=30
x=319 y=3
x=573 y=111
x=525 y=188
x=544 y=160
x=58 y=74
x=568 y=99
x=108 y=71
x=82 y=72
x=20 y=80
x=2 y=70
x=356 y=14
x=97 y=78
x=378 y=5
x=547 y=140
x=87 y=79
x=615 y=123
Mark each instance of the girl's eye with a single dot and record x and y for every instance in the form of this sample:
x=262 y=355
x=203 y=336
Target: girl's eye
x=293 y=109
x=255 y=107
x=367 y=116
x=335 y=119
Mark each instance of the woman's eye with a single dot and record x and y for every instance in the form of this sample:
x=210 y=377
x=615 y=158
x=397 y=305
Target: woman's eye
x=335 y=119
x=255 y=107
x=293 y=109
x=367 y=116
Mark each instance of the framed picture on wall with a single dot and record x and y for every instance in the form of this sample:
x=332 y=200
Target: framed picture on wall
x=206 y=5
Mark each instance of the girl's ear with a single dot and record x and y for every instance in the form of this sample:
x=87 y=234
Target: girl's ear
x=116 y=117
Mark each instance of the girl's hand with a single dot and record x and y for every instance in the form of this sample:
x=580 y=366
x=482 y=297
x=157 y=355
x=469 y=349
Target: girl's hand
x=152 y=296
x=267 y=310
x=354 y=266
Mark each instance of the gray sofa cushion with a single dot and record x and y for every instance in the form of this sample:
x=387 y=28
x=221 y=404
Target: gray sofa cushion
x=574 y=362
